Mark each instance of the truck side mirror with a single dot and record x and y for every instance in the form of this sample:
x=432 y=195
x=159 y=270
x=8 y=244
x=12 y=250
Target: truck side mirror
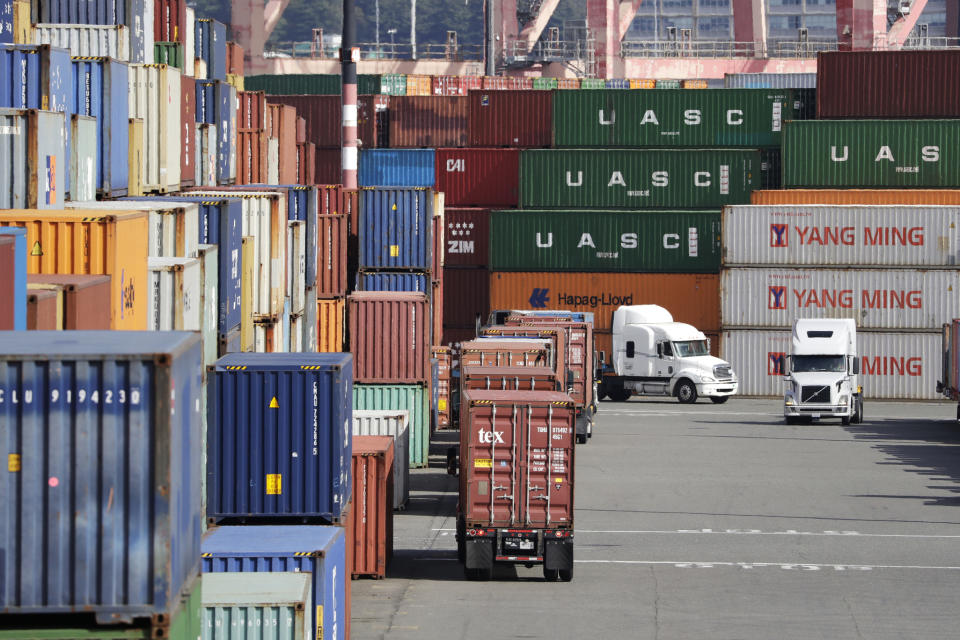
x=785 y=367
x=660 y=350
x=630 y=349
x=856 y=365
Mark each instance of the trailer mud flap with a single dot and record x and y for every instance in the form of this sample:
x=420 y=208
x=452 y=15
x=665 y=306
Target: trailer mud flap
x=558 y=555
x=479 y=554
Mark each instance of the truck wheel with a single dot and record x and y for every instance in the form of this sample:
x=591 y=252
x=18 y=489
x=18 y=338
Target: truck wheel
x=581 y=438
x=859 y=417
x=686 y=392
x=846 y=420
x=792 y=419
x=621 y=395
x=551 y=575
x=719 y=399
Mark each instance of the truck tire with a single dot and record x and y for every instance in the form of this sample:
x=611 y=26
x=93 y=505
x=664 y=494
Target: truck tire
x=686 y=392
x=859 y=417
x=719 y=399
x=621 y=395
x=845 y=420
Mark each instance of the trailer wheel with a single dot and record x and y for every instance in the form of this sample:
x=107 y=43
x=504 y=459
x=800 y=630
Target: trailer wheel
x=686 y=392
x=551 y=575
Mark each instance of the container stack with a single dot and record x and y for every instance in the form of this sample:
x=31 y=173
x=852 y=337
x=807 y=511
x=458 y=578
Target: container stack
x=334 y=231
x=866 y=229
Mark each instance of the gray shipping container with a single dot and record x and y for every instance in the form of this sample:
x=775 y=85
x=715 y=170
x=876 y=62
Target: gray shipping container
x=33 y=160
x=83 y=158
x=370 y=422
x=770 y=80
x=257 y=606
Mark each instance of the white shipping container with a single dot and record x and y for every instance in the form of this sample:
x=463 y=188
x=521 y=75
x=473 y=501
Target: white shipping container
x=896 y=366
x=155 y=98
x=87 y=40
x=208 y=256
x=894 y=299
x=234 y=107
x=296 y=334
x=309 y=324
x=841 y=235
x=371 y=422
x=273 y=161
x=83 y=157
x=268 y=337
x=296 y=265
x=174 y=227
x=174 y=301
x=207 y=151
x=188 y=46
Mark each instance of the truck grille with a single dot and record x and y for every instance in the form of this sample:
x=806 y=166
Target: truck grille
x=818 y=394
x=722 y=372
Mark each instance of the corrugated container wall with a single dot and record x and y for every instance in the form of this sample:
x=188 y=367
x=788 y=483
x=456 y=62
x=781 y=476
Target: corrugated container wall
x=393 y=281
x=770 y=80
x=311 y=84
x=86 y=40
x=393 y=423
x=857 y=196
x=175 y=290
x=210 y=45
x=479 y=177
x=429 y=121
x=466 y=294
x=101 y=90
x=872 y=153
x=155 y=97
x=466 y=237
x=896 y=366
x=6 y=21
x=188 y=128
x=283 y=127
x=319 y=552
x=897 y=299
x=86 y=300
x=330 y=321
x=830 y=235
x=373 y=465
x=257 y=606
x=389 y=337
x=44 y=309
x=888 y=84
x=83 y=158
x=33 y=159
x=13 y=284
x=635 y=179
x=170 y=21
x=511 y=118
x=396 y=168
x=412 y=398
x=395 y=228
x=332 y=255
x=38 y=77
x=589 y=240
x=690 y=298
x=141 y=547
x=277 y=444
x=324 y=120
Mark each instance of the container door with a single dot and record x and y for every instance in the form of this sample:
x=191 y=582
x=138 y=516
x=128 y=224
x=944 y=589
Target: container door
x=547 y=466
x=495 y=441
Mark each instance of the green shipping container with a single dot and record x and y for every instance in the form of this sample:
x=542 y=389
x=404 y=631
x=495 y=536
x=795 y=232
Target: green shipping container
x=393 y=84
x=668 y=84
x=169 y=53
x=316 y=84
x=586 y=240
x=593 y=83
x=410 y=397
x=637 y=178
x=545 y=83
x=881 y=154
x=677 y=118
x=257 y=606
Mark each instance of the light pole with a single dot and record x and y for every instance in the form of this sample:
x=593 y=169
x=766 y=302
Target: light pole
x=393 y=46
x=377 y=10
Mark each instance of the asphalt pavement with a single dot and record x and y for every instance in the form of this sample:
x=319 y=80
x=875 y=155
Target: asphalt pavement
x=705 y=520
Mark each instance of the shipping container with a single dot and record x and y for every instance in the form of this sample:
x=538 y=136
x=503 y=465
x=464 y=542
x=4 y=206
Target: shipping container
x=534 y=378
x=591 y=240
x=257 y=607
x=510 y=353
x=466 y=296
x=189 y=42
x=296 y=265
x=173 y=223
x=395 y=424
x=949 y=382
x=545 y=83
x=467 y=237
x=86 y=299
x=444 y=358
x=252 y=113
x=331 y=273
x=888 y=84
x=248 y=277
x=831 y=235
x=319 y=552
x=210 y=45
x=896 y=299
x=412 y=398
x=86 y=40
x=872 y=153
x=188 y=127
x=13 y=283
x=429 y=121
x=330 y=321
x=206 y=169
x=635 y=179
x=252 y=157
x=170 y=20
x=275 y=443
x=92 y=242
x=209 y=257
x=324 y=123
x=389 y=336
x=327 y=168
x=306 y=163
x=226 y=97
x=101 y=90
x=895 y=366
x=83 y=158
x=34 y=163
x=295 y=84
x=479 y=177
x=770 y=80
x=154 y=96
x=676 y=118
x=282 y=125
x=690 y=298
x=394 y=281
x=857 y=196
x=22 y=24
x=396 y=168
x=455 y=335
x=234 y=59
x=511 y=118
x=174 y=294
x=373 y=475
x=395 y=226
x=169 y=53
x=507 y=83
x=6 y=21
x=36 y=77
x=59 y=456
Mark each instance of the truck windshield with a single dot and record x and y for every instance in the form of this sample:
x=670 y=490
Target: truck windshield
x=689 y=348
x=837 y=364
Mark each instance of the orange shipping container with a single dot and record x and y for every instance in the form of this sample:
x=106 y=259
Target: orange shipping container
x=373 y=504
x=857 y=196
x=282 y=124
x=691 y=298
x=419 y=85
x=330 y=325
x=92 y=242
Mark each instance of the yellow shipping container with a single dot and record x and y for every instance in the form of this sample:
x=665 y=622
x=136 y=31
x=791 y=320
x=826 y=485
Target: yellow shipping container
x=235 y=81
x=419 y=86
x=91 y=242
x=330 y=325
x=247 y=272
x=642 y=83
x=22 y=28
x=857 y=196
x=135 y=157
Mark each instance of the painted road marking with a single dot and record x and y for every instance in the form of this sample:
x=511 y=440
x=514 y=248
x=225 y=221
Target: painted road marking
x=788 y=566
x=748 y=532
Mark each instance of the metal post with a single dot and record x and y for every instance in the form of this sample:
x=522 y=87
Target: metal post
x=348 y=76
x=490 y=66
x=413 y=29
x=376 y=5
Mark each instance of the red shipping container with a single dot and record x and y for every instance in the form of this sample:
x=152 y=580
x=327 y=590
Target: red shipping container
x=42 y=309
x=436 y=307
x=429 y=121
x=306 y=163
x=465 y=295
x=188 y=123
x=329 y=199
x=332 y=255
x=511 y=118
x=466 y=237
x=456 y=335
x=8 y=287
x=301 y=129
x=328 y=163
x=170 y=21
x=372 y=520
x=507 y=83
x=455 y=85
x=888 y=84
x=86 y=299
x=324 y=124
x=390 y=337
x=504 y=353
x=351 y=206
x=437 y=230
x=509 y=379
x=234 y=59
x=283 y=127
x=479 y=177
x=252 y=157
x=252 y=111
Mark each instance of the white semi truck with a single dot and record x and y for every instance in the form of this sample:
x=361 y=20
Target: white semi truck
x=822 y=372
x=655 y=356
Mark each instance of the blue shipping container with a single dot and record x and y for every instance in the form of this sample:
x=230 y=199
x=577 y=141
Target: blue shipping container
x=225 y=97
x=396 y=229
x=83 y=11
x=101 y=502
x=19 y=303
x=393 y=281
x=278 y=435
x=6 y=21
x=319 y=551
x=102 y=91
x=396 y=168
x=302 y=205
x=206 y=102
x=210 y=45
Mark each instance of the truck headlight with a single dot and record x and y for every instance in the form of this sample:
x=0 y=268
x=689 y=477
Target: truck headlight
x=843 y=399
x=788 y=398
x=707 y=379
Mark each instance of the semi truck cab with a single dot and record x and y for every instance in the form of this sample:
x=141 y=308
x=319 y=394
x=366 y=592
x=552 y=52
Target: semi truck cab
x=822 y=372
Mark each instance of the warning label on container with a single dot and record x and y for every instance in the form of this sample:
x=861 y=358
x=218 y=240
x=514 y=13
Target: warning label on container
x=274 y=404
x=274 y=484
x=442 y=404
x=13 y=462
x=482 y=463
x=36 y=250
x=394 y=251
